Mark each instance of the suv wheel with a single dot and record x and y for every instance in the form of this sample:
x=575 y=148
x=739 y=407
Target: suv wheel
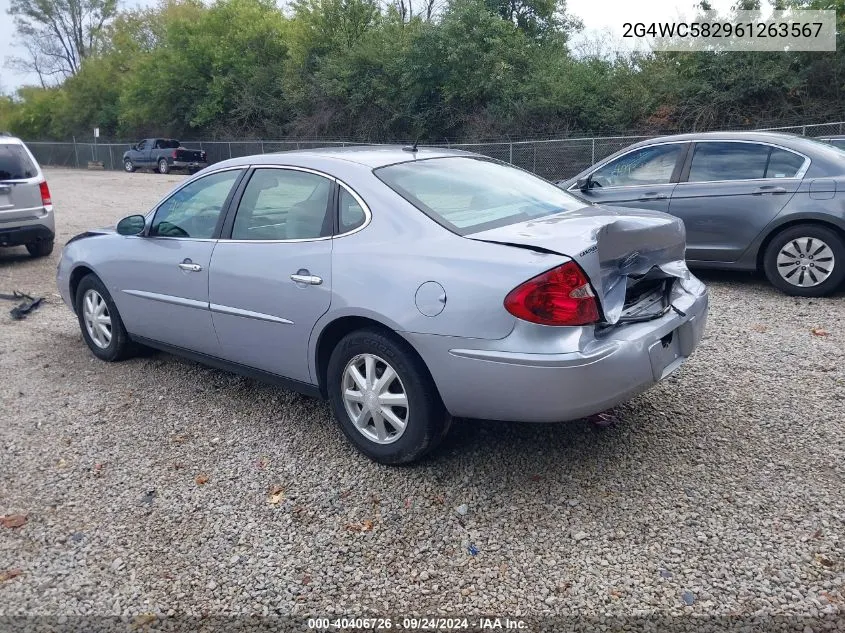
x=128 y=167
x=384 y=399
x=40 y=248
x=100 y=321
x=163 y=167
x=807 y=260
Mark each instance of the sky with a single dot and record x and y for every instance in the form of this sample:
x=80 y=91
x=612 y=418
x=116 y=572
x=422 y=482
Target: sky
x=603 y=19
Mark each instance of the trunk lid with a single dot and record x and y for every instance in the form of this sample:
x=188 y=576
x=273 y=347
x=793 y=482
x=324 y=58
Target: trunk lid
x=616 y=247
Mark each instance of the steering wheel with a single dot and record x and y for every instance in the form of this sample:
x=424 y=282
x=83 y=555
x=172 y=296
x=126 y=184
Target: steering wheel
x=168 y=229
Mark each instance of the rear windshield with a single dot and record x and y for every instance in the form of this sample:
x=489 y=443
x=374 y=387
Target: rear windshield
x=468 y=195
x=15 y=163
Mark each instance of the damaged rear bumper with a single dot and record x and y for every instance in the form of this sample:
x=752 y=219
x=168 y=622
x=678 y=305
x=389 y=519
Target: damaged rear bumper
x=524 y=377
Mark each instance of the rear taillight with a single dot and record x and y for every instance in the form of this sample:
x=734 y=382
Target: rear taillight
x=560 y=296
x=45 y=194
x=175 y=153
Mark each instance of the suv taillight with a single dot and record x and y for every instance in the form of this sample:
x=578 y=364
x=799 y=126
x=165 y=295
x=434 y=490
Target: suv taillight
x=175 y=153
x=45 y=194
x=560 y=296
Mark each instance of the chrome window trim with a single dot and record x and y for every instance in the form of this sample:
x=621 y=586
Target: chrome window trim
x=367 y=213
x=798 y=175
x=574 y=186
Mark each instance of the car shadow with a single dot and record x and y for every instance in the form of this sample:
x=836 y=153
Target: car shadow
x=14 y=254
x=753 y=279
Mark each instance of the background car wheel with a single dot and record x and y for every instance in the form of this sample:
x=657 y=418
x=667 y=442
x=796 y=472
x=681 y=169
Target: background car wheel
x=40 y=248
x=383 y=396
x=128 y=166
x=100 y=322
x=163 y=167
x=807 y=260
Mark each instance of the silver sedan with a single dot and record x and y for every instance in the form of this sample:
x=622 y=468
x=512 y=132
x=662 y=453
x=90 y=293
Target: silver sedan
x=406 y=285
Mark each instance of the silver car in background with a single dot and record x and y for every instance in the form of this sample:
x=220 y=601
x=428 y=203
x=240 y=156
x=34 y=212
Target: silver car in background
x=749 y=200
x=26 y=209
x=405 y=285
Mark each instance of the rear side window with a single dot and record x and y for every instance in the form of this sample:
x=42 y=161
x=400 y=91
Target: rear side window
x=783 y=164
x=728 y=161
x=351 y=212
x=15 y=163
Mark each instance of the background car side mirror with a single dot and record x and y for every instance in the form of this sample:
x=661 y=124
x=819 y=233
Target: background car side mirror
x=584 y=183
x=131 y=225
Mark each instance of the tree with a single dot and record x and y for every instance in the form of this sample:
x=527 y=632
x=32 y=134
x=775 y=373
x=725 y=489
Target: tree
x=535 y=18
x=58 y=35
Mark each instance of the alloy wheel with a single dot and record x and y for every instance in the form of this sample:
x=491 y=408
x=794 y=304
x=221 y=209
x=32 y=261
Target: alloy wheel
x=805 y=262
x=375 y=398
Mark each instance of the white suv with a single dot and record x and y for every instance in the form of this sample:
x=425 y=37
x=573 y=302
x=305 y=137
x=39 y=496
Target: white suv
x=26 y=211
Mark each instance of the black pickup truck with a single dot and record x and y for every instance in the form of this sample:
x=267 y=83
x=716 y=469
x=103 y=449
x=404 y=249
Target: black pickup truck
x=162 y=155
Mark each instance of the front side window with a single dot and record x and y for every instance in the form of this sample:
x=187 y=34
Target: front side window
x=728 y=161
x=141 y=145
x=195 y=209
x=283 y=204
x=647 y=166
x=468 y=195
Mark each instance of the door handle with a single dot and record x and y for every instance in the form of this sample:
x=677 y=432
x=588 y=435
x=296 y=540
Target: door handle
x=768 y=189
x=312 y=280
x=190 y=266
x=653 y=196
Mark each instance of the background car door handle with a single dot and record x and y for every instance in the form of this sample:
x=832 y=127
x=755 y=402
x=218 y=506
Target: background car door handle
x=768 y=189
x=653 y=196
x=190 y=266
x=313 y=280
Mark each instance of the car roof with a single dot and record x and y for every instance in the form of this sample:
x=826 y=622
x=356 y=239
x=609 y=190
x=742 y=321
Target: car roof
x=8 y=139
x=372 y=156
x=762 y=136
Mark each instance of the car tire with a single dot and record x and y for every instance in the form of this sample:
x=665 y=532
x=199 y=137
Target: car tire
x=113 y=346
x=795 y=256
x=163 y=167
x=128 y=166
x=425 y=419
x=40 y=248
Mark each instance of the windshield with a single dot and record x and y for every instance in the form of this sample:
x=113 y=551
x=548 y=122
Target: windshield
x=468 y=195
x=15 y=163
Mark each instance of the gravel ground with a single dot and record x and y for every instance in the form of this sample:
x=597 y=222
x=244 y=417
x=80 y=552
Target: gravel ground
x=720 y=491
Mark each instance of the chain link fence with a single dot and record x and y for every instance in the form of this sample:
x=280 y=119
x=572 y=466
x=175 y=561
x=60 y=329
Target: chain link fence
x=552 y=159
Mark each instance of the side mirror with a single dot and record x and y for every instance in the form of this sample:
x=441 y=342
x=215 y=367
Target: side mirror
x=584 y=183
x=132 y=225
x=135 y=147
